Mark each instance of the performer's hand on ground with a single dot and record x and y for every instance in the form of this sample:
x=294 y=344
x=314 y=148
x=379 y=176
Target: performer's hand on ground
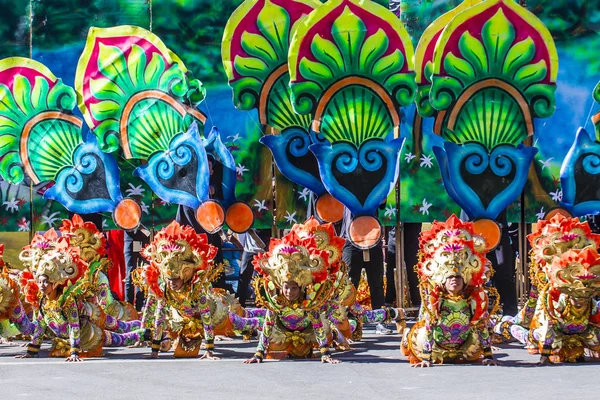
x=329 y=360
x=26 y=355
x=138 y=344
x=253 y=360
x=422 y=364
x=73 y=358
x=223 y=338
x=209 y=356
x=344 y=346
x=544 y=361
x=5 y=341
x=488 y=361
x=152 y=355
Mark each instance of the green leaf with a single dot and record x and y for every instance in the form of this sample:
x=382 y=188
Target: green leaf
x=531 y=73
x=348 y=32
x=112 y=63
x=327 y=52
x=498 y=35
x=137 y=65
x=248 y=66
x=459 y=68
x=7 y=125
x=105 y=109
x=7 y=103
x=274 y=23
x=388 y=65
x=154 y=70
x=474 y=52
x=518 y=55
x=427 y=72
x=105 y=89
x=373 y=48
x=315 y=71
x=22 y=91
x=39 y=94
x=259 y=47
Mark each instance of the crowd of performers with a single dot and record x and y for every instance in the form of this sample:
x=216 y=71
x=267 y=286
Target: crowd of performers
x=306 y=301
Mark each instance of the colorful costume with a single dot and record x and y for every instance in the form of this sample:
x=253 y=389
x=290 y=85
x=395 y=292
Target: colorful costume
x=451 y=328
x=13 y=318
x=560 y=319
x=92 y=247
x=196 y=311
x=310 y=255
x=73 y=317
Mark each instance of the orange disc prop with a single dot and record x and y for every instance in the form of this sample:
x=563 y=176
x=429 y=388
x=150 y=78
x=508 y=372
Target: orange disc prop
x=490 y=231
x=239 y=217
x=127 y=214
x=556 y=211
x=365 y=232
x=211 y=216
x=329 y=209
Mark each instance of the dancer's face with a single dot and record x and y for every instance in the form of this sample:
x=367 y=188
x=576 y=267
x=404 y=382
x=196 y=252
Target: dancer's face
x=291 y=290
x=454 y=285
x=175 y=283
x=578 y=302
x=44 y=284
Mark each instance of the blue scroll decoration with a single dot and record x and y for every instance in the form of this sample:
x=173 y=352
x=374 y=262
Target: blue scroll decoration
x=360 y=178
x=91 y=184
x=179 y=175
x=291 y=153
x=580 y=176
x=484 y=183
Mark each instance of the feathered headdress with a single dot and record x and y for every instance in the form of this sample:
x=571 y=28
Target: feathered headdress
x=558 y=235
x=85 y=236
x=325 y=238
x=297 y=257
x=309 y=255
x=576 y=273
x=179 y=252
x=452 y=248
x=54 y=257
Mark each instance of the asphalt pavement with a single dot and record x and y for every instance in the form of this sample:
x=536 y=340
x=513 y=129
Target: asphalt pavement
x=374 y=370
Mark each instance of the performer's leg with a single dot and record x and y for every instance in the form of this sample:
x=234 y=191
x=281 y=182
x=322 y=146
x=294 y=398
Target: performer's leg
x=245 y=324
x=118 y=326
x=374 y=269
x=390 y=274
x=112 y=339
x=411 y=251
x=354 y=260
x=246 y=270
x=256 y=312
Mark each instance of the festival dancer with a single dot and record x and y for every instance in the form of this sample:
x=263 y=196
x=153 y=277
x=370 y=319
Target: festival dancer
x=553 y=238
x=180 y=297
x=60 y=295
x=305 y=289
x=92 y=247
x=453 y=326
x=560 y=319
x=13 y=316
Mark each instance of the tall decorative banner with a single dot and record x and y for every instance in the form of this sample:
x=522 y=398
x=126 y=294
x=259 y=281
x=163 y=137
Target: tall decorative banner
x=494 y=69
x=255 y=53
x=42 y=139
x=580 y=172
x=351 y=67
x=136 y=94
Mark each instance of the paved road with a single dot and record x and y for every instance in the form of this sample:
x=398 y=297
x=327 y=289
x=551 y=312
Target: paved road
x=375 y=370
